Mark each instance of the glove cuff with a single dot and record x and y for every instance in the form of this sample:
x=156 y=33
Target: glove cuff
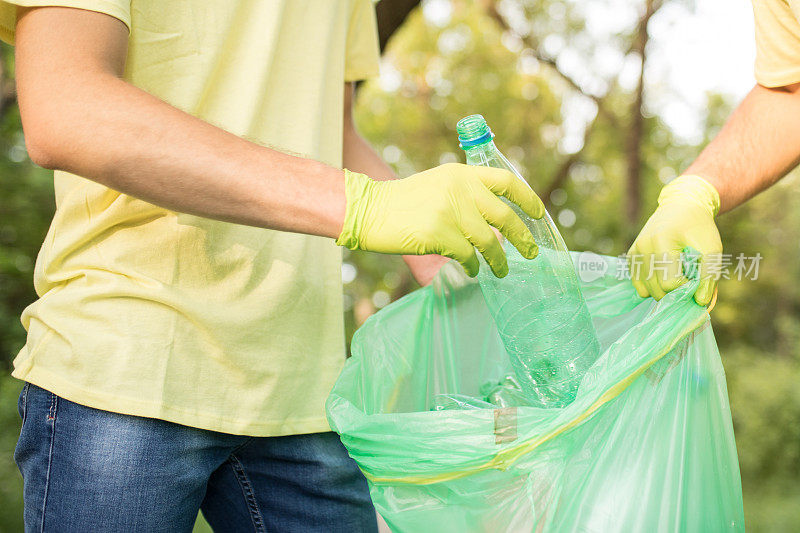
x=691 y=188
x=357 y=189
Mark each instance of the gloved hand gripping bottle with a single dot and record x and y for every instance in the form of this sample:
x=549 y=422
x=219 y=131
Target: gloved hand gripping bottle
x=538 y=307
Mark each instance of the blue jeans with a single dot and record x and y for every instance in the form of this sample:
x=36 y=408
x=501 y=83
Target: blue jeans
x=91 y=470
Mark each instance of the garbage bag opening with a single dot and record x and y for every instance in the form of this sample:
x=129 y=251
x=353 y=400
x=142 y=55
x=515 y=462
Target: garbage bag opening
x=647 y=443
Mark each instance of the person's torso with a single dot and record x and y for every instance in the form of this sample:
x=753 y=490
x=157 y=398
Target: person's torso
x=168 y=295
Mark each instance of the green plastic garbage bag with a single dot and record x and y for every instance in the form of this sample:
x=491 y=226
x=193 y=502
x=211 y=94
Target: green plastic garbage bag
x=647 y=444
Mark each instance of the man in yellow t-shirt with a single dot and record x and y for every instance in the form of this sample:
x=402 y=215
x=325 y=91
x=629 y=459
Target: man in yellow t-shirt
x=189 y=321
x=758 y=145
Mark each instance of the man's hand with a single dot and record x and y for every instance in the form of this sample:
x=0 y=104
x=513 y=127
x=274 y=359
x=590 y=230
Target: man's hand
x=448 y=210
x=684 y=218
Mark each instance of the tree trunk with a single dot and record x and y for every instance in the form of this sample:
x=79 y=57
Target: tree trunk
x=633 y=141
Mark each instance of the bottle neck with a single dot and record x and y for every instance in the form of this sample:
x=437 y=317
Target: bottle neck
x=481 y=151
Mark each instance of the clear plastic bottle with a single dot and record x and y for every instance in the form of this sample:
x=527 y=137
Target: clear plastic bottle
x=538 y=307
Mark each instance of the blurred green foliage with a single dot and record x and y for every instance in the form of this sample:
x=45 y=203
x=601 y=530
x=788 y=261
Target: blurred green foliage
x=26 y=207
x=438 y=69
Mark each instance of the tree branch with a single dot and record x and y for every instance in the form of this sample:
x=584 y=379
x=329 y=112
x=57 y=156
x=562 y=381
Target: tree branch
x=561 y=175
x=551 y=62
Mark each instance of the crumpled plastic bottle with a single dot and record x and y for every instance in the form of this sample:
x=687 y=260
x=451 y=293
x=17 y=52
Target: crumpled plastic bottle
x=538 y=307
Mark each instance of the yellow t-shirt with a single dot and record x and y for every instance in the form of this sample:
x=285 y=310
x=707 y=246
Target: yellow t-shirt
x=777 y=42
x=150 y=312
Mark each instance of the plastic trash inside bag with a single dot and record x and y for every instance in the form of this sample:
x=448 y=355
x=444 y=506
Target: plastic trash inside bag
x=428 y=407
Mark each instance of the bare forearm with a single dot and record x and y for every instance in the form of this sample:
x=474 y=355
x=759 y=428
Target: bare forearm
x=758 y=145
x=128 y=140
x=359 y=156
x=80 y=116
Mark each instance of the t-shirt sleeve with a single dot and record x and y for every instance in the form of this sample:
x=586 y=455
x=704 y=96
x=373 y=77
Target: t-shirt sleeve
x=119 y=9
x=777 y=43
x=362 y=53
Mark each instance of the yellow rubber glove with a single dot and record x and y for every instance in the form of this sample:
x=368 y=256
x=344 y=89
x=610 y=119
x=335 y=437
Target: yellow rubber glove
x=447 y=210
x=684 y=218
